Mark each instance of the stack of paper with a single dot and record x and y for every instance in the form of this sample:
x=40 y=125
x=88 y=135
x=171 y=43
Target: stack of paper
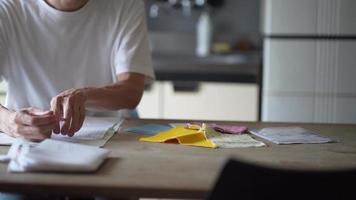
x=96 y=131
x=51 y=155
x=290 y=135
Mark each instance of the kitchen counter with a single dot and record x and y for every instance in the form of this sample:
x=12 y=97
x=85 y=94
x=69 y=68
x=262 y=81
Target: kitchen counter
x=238 y=67
x=183 y=78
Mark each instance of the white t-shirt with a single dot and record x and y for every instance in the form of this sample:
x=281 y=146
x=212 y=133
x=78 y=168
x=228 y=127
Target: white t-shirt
x=44 y=51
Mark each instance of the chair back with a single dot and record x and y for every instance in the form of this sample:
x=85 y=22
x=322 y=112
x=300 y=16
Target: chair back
x=240 y=180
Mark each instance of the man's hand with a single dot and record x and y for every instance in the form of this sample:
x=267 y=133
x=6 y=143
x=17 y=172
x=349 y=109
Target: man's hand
x=69 y=107
x=31 y=123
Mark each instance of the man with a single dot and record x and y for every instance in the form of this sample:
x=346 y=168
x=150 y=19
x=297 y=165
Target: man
x=62 y=58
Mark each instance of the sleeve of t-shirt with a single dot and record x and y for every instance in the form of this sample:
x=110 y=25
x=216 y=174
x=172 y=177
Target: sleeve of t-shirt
x=133 y=52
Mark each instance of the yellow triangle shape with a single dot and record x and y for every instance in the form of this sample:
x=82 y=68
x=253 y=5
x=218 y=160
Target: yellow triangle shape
x=183 y=136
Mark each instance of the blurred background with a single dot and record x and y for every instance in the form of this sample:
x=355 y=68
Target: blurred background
x=269 y=60
x=207 y=57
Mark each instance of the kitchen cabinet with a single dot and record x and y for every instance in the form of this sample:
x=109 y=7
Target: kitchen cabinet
x=309 y=17
x=309 y=61
x=309 y=81
x=151 y=104
x=208 y=101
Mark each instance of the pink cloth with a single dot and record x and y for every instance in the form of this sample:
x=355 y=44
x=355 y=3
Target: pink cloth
x=229 y=129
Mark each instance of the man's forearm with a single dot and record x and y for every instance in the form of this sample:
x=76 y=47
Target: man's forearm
x=126 y=93
x=113 y=97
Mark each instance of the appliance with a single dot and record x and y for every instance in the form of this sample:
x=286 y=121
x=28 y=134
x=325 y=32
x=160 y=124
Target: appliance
x=309 y=65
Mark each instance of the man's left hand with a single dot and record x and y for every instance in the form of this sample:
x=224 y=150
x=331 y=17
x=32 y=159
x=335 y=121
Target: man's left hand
x=69 y=107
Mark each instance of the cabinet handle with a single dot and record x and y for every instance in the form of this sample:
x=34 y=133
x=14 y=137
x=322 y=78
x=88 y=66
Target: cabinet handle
x=186 y=86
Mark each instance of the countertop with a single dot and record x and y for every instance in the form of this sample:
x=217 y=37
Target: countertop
x=236 y=67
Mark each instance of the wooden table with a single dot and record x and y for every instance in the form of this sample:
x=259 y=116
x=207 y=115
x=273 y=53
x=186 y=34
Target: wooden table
x=140 y=169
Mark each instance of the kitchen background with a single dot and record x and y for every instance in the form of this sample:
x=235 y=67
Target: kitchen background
x=221 y=85
x=269 y=60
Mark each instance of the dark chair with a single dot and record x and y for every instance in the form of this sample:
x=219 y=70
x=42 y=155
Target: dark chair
x=240 y=180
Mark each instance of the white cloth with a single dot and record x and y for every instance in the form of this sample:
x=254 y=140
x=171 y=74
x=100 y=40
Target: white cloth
x=44 y=51
x=51 y=155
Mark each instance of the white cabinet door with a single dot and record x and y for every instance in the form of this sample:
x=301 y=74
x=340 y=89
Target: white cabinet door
x=290 y=16
x=289 y=80
x=347 y=19
x=309 y=81
x=309 y=17
x=288 y=108
x=289 y=65
x=345 y=109
x=151 y=102
x=213 y=101
x=346 y=67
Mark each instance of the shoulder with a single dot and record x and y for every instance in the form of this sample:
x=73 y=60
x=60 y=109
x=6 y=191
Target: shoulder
x=121 y=5
x=124 y=3
x=120 y=11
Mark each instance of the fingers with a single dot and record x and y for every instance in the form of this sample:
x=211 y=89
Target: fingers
x=56 y=107
x=27 y=117
x=74 y=127
x=81 y=117
x=73 y=111
x=33 y=124
x=35 y=133
x=67 y=111
x=36 y=111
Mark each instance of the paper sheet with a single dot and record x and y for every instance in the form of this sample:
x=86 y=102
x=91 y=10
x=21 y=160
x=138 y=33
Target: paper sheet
x=290 y=135
x=231 y=141
x=96 y=131
x=6 y=140
x=149 y=129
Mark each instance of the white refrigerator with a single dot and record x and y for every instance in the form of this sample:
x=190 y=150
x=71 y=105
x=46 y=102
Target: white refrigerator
x=309 y=61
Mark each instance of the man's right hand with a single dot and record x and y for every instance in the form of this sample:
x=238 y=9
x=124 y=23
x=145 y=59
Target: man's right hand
x=31 y=123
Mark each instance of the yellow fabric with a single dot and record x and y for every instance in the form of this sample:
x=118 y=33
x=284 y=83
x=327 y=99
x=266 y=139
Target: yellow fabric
x=182 y=136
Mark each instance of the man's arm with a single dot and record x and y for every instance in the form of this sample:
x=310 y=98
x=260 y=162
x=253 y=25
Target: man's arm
x=126 y=93
x=70 y=105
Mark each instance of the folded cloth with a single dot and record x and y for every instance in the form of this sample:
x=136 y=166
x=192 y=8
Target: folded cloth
x=229 y=129
x=52 y=155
